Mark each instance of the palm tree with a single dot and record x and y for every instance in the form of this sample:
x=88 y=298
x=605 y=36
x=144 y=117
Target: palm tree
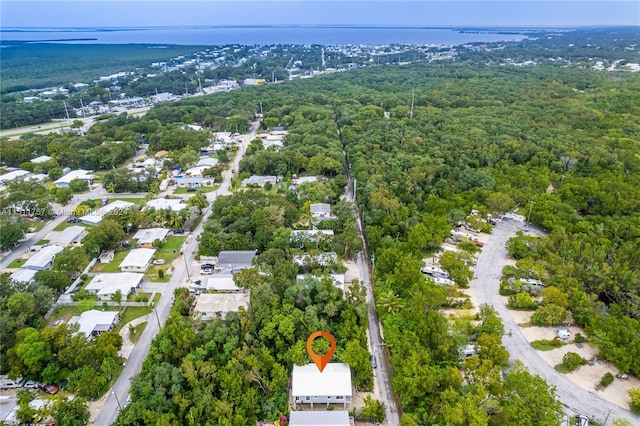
x=390 y=302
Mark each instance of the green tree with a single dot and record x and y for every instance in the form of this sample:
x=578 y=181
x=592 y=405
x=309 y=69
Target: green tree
x=373 y=409
x=13 y=229
x=71 y=260
x=79 y=185
x=117 y=297
x=56 y=281
x=74 y=412
x=63 y=195
x=103 y=236
x=86 y=382
x=634 y=394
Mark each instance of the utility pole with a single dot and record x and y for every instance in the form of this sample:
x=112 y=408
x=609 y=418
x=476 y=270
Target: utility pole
x=67 y=112
x=413 y=96
x=531 y=203
x=113 y=392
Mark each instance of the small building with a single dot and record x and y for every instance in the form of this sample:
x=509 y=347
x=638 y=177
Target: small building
x=337 y=279
x=173 y=204
x=236 y=259
x=319 y=418
x=434 y=272
x=261 y=180
x=85 y=175
x=321 y=211
x=207 y=162
x=138 y=260
x=41 y=159
x=23 y=275
x=332 y=386
x=322 y=259
x=107 y=256
x=161 y=154
x=93 y=323
x=71 y=236
x=222 y=282
x=146 y=237
x=95 y=217
x=212 y=305
x=194 y=182
x=13 y=175
x=43 y=259
x=105 y=285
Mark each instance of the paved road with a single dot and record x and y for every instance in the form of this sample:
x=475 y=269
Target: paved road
x=486 y=283
x=120 y=391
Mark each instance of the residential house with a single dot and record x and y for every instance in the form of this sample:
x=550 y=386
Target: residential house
x=321 y=211
x=193 y=182
x=93 y=323
x=64 y=181
x=261 y=180
x=43 y=259
x=331 y=386
x=174 y=204
x=105 y=285
x=146 y=237
x=302 y=236
x=71 y=236
x=207 y=162
x=13 y=175
x=41 y=159
x=23 y=275
x=95 y=217
x=434 y=272
x=319 y=418
x=236 y=259
x=212 y=305
x=222 y=282
x=138 y=260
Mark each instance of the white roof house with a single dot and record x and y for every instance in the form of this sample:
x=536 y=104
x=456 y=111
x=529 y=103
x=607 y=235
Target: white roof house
x=332 y=386
x=338 y=279
x=95 y=217
x=138 y=260
x=174 y=204
x=93 y=323
x=76 y=174
x=261 y=180
x=41 y=159
x=321 y=211
x=104 y=285
x=72 y=235
x=23 y=275
x=146 y=237
x=8 y=177
x=207 y=162
x=209 y=305
x=43 y=259
x=319 y=418
x=222 y=282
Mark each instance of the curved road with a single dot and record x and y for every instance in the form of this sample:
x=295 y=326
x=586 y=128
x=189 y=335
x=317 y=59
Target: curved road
x=486 y=284
x=120 y=391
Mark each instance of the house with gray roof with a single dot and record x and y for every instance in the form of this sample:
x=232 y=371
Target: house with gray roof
x=236 y=259
x=43 y=259
x=71 y=236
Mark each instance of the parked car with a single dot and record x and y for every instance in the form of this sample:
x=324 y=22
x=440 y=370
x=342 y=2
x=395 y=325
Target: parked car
x=72 y=220
x=374 y=364
x=159 y=262
x=207 y=266
x=197 y=282
x=50 y=389
x=7 y=383
x=207 y=271
x=478 y=243
x=190 y=189
x=30 y=384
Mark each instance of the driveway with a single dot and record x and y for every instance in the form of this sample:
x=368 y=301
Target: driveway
x=575 y=399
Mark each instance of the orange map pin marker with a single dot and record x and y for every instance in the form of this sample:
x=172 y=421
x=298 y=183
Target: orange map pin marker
x=321 y=361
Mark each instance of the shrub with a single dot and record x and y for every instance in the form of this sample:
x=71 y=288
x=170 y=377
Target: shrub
x=268 y=186
x=549 y=315
x=572 y=361
x=579 y=338
x=606 y=380
x=521 y=301
x=635 y=400
x=547 y=345
x=161 y=273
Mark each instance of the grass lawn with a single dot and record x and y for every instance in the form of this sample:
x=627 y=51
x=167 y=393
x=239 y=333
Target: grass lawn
x=137 y=201
x=174 y=242
x=547 y=345
x=130 y=313
x=17 y=263
x=202 y=189
x=64 y=225
x=137 y=332
x=152 y=274
x=114 y=265
x=42 y=242
x=37 y=224
x=66 y=312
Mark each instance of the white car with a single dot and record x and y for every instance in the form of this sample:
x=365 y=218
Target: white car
x=159 y=262
x=30 y=384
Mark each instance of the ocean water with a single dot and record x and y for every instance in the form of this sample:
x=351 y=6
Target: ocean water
x=258 y=35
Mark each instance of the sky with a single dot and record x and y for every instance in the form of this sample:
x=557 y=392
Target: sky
x=143 y=13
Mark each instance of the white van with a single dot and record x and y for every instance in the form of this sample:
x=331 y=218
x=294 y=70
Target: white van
x=7 y=383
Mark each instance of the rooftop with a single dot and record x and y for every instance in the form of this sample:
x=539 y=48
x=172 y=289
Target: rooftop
x=222 y=282
x=107 y=284
x=96 y=216
x=234 y=257
x=94 y=320
x=320 y=208
x=41 y=159
x=23 y=275
x=166 y=204
x=43 y=257
x=319 y=418
x=148 y=236
x=68 y=235
x=260 y=180
x=322 y=259
x=13 y=175
x=221 y=302
x=76 y=174
x=335 y=379
x=138 y=258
